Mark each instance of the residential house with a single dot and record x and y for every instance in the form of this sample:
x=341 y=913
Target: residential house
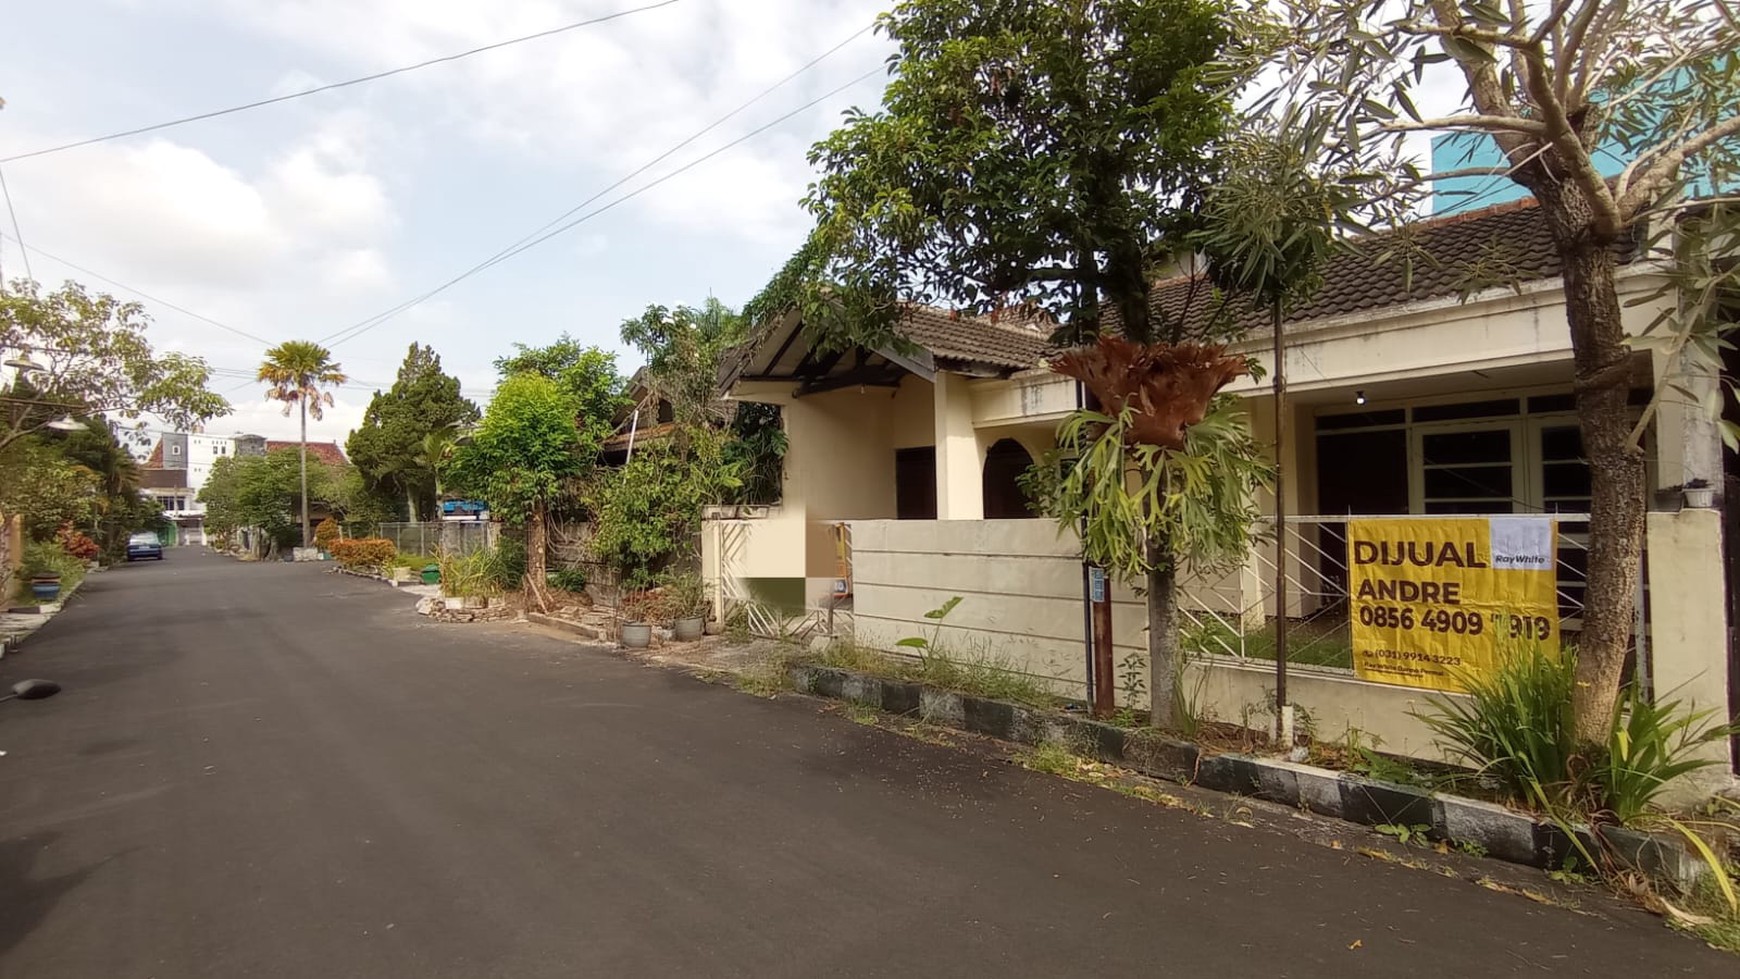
x=176 y=469
x=1410 y=392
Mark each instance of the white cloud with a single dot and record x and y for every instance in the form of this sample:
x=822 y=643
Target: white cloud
x=614 y=95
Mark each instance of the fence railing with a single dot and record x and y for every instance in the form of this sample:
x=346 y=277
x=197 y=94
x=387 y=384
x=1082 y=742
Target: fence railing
x=1239 y=622
x=440 y=537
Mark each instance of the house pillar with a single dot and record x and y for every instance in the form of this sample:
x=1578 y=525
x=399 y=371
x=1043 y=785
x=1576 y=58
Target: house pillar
x=1688 y=436
x=1688 y=605
x=959 y=463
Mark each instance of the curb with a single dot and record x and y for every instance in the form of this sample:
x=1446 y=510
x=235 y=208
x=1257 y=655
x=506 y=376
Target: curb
x=562 y=625
x=1503 y=833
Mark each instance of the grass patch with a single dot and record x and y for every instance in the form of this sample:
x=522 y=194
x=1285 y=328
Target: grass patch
x=978 y=675
x=1053 y=759
x=1306 y=645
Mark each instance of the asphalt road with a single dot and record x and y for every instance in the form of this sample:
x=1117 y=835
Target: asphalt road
x=265 y=770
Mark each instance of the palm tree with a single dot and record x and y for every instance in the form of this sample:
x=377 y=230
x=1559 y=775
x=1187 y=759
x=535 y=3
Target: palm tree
x=296 y=371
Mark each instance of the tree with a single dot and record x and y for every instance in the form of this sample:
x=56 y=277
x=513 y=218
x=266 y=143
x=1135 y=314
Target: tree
x=266 y=493
x=588 y=374
x=1026 y=150
x=518 y=459
x=45 y=488
x=95 y=360
x=119 y=506
x=297 y=370
x=388 y=446
x=682 y=347
x=1030 y=152
x=1556 y=86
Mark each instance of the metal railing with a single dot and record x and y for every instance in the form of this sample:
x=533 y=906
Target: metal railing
x=440 y=537
x=1237 y=620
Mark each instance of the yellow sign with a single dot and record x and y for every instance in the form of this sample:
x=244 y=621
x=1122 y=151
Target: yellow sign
x=1433 y=598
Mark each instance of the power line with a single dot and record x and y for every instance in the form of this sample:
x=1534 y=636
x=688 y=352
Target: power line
x=18 y=235
x=336 y=85
x=379 y=318
x=356 y=330
x=137 y=292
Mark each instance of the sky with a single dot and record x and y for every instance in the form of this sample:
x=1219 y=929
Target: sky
x=298 y=220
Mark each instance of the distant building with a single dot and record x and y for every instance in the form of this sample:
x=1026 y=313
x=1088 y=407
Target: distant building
x=176 y=469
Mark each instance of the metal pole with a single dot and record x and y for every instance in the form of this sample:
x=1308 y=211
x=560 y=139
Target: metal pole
x=1283 y=709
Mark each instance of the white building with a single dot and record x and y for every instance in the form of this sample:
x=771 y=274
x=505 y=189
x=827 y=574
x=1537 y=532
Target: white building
x=177 y=469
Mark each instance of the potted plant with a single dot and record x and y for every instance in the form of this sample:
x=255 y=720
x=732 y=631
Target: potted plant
x=685 y=602
x=635 y=630
x=1699 y=494
x=45 y=585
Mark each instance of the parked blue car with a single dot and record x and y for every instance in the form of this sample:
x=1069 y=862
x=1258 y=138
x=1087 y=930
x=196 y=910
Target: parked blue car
x=144 y=545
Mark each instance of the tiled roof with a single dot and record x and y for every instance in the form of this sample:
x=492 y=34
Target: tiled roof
x=955 y=336
x=327 y=452
x=155 y=461
x=1504 y=245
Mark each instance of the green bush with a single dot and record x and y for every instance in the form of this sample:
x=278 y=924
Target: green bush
x=484 y=573
x=568 y=579
x=1516 y=725
x=1516 y=728
x=48 y=557
x=1649 y=745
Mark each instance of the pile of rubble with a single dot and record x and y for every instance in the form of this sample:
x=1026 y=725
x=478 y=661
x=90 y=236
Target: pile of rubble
x=467 y=609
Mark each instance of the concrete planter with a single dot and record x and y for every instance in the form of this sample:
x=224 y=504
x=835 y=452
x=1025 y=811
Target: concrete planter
x=688 y=630
x=635 y=635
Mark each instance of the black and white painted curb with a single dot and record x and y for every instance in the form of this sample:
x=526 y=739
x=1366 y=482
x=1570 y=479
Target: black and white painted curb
x=1502 y=833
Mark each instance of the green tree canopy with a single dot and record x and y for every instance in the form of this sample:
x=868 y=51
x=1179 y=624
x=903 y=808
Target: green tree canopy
x=682 y=347
x=1026 y=150
x=390 y=447
x=518 y=459
x=95 y=360
x=264 y=492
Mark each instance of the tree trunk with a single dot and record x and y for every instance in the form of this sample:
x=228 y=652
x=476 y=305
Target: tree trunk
x=1616 y=509
x=307 y=535
x=1163 y=649
x=411 y=504
x=537 y=545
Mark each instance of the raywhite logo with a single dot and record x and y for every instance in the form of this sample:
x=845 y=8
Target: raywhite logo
x=1522 y=543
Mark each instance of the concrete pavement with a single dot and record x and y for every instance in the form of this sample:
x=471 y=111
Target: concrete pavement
x=264 y=770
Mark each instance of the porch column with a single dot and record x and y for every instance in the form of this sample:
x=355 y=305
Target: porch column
x=960 y=493
x=1688 y=438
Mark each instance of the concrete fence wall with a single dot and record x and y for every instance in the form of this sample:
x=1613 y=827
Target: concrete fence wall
x=1021 y=603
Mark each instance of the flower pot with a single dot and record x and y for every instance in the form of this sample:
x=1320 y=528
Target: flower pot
x=635 y=635
x=688 y=630
x=432 y=574
x=1700 y=497
x=45 y=588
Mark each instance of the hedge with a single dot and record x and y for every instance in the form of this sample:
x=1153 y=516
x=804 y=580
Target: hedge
x=365 y=553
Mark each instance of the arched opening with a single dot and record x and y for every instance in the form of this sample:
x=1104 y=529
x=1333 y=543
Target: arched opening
x=1004 y=464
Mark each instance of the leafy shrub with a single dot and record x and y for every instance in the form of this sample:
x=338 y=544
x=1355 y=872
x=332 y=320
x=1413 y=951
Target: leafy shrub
x=1648 y=746
x=48 y=557
x=569 y=579
x=484 y=573
x=326 y=534
x=1516 y=725
x=1517 y=729
x=364 y=553
x=76 y=544
x=681 y=596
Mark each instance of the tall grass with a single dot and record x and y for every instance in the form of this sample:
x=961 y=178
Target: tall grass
x=1516 y=725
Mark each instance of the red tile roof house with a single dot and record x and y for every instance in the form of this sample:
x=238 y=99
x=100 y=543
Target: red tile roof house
x=327 y=452
x=1421 y=394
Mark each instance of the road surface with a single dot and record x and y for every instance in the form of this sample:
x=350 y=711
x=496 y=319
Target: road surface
x=267 y=770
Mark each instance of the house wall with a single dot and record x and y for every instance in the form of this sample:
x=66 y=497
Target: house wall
x=1020 y=585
